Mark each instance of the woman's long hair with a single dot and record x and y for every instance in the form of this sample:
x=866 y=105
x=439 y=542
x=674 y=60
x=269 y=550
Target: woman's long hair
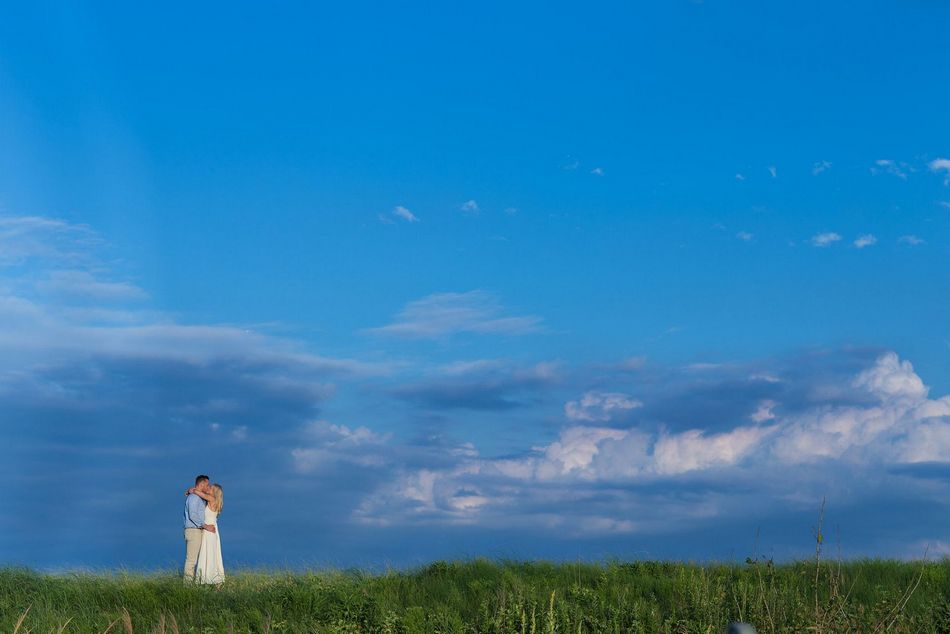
x=217 y=492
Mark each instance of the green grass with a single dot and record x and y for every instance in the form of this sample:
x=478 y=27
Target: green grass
x=489 y=596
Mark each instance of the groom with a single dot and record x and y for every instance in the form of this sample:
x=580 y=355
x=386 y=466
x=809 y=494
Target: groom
x=194 y=524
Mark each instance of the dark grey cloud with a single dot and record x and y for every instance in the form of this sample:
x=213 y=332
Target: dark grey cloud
x=496 y=388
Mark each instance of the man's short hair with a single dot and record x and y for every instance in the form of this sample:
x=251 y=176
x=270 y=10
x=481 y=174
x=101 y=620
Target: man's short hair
x=200 y=479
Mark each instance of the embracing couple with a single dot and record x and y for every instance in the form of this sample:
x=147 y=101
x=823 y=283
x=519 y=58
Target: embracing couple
x=203 y=561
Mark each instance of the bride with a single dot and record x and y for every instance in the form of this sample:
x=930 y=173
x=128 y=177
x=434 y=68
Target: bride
x=210 y=567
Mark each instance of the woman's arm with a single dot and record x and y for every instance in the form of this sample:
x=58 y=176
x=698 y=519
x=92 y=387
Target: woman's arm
x=207 y=497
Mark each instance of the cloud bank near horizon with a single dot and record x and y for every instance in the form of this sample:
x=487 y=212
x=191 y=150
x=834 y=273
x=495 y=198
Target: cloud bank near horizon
x=110 y=405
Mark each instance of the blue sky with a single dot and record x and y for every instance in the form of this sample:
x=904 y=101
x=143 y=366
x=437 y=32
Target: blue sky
x=545 y=280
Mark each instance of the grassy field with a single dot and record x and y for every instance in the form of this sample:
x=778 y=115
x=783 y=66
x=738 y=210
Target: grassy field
x=488 y=596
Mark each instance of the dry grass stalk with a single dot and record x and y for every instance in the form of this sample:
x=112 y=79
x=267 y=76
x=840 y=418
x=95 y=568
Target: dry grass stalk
x=19 y=622
x=127 y=622
x=174 y=624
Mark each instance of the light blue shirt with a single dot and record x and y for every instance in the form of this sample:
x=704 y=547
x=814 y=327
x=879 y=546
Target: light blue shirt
x=194 y=512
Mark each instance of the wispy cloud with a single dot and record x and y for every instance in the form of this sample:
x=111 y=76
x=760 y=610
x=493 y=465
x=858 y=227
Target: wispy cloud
x=470 y=207
x=745 y=236
x=773 y=171
x=23 y=238
x=597 y=171
x=825 y=239
x=404 y=214
x=865 y=240
x=910 y=239
x=599 y=406
x=445 y=314
x=941 y=165
x=78 y=312
x=85 y=284
x=740 y=177
x=819 y=167
x=894 y=168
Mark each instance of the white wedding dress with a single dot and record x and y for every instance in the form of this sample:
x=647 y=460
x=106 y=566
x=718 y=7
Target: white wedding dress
x=210 y=564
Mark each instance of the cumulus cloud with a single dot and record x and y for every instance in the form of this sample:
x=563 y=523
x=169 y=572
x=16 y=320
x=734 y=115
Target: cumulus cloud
x=445 y=314
x=825 y=239
x=941 y=165
x=892 y=422
x=865 y=240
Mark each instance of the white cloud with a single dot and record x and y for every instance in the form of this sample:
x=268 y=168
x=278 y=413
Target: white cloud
x=820 y=166
x=865 y=240
x=56 y=242
x=773 y=171
x=764 y=412
x=910 y=239
x=695 y=450
x=903 y=426
x=84 y=284
x=404 y=214
x=470 y=207
x=886 y=166
x=745 y=236
x=462 y=368
x=511 y=211
x=599 y=406
x=825 y=239
x=443 y=314
x=575 y=449
x=630 y=364
x=703 y=366
x=597 y=171
x=890 y=378
x=740 y=177
x=941 y=165
x=326 y=444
